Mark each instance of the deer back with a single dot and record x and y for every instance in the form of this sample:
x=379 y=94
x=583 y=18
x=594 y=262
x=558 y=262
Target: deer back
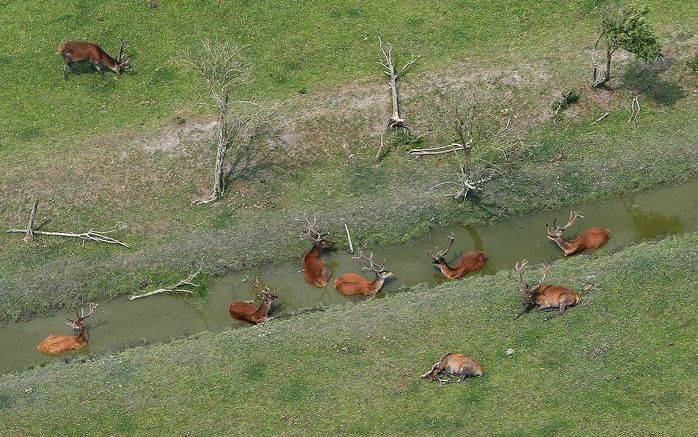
x=353 y=284
x=550 y=296
x=315 y=272
x=87 y=51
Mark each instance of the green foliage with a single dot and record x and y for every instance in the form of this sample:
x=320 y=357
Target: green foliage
x=692 y=64
x=403 y=139
x=627 y=28
x=566 y=99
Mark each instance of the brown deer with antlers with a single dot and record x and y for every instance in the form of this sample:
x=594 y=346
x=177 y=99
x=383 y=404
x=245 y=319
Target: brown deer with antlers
x=315 y=272
x=468 y=262
x=544 y=296
x=353 y=284
x=81 y=51
x=57 y=344
x=592 y=238
x=246 y=311
x=454 y=364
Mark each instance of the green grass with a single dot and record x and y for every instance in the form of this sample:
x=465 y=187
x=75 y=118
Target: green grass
x=620 y=362
x=95 y=151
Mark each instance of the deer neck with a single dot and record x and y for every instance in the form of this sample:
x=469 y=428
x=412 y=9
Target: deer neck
x=82 y=333
x=263 y=309
x=111 y=63
x=314 y=252
x=563 y=243
x=378 y=283
x=446 y=269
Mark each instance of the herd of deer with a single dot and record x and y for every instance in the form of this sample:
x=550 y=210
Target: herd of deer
x=541 y=296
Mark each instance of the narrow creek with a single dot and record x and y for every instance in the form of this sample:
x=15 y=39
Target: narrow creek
x=120 y=323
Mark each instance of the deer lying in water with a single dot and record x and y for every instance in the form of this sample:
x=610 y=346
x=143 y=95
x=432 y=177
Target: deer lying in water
x=353 y=284
x=592 y=238
x=80 y=51
x=246 y=311
x=468 y=262
x=315 y=272
x=56 y=344
x=454 y=364
x=544 y=296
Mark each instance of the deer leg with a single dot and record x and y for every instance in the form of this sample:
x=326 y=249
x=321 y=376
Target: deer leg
x=65 y=71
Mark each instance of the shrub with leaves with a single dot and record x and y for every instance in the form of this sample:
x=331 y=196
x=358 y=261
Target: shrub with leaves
x=625 y=28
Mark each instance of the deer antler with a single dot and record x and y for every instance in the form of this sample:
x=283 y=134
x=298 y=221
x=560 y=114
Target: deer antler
x=124 y=61
x=520 y=267
x=442 y=253
x=311 y=232
x=574 y=215
x=91 y=310
x=372 y=266
x=545 y=269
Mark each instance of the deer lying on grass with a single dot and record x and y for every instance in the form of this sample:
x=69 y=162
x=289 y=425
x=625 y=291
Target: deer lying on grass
x=246 y=311
x=454 y=364
x=592 y=238
x=56 y=344
x=353 y=284
x=543 y=296
x=80 y=51
x=467 y=263
x=315 y=272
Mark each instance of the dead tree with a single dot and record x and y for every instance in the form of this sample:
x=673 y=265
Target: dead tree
x=179 y=287
x=394 y=74
x=634 y=111
x=226 y=72
x=91 y=235
x=471 y=177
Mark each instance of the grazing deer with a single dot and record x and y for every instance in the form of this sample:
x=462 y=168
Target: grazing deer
x=56 y=344
x=244 y=310
x=592 y=238
x=315 y=271
x=353 y=284
x=454 y=364
x=80 y=51
x=544 y=296
x=468 y=262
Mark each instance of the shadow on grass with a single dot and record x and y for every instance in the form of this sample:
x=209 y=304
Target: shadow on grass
x=646 y=79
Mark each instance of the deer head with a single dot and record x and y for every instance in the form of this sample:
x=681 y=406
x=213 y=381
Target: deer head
x=439 y=257
x=371 y=266
x=124 y=62
x=528 y=293
x=79 y=323
x=313 y=234
x=555 y=232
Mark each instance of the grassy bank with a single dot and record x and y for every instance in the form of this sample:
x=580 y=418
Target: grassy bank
x=620 y=362
x=127 y=167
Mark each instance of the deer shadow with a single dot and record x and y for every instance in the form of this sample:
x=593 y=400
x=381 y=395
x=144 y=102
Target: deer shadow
x=647 y=79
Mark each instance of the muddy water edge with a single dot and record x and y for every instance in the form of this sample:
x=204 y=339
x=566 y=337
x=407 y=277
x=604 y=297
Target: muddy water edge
x=121 y=323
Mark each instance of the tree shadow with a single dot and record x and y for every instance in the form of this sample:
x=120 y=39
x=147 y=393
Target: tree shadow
x=251 y=162
x=647 y=79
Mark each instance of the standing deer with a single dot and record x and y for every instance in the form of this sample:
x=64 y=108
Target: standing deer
x=592 y=238
x=454 y=364
x=244 y=310
x=80 y=51
x=353 y=284
x=543 y=296
x=56 y=344
x=315 y=272
x=468 y=262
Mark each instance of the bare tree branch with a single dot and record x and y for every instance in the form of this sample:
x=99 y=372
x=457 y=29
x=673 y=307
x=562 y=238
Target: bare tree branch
x=177 y=288
x=389 y=65
x=91 y=235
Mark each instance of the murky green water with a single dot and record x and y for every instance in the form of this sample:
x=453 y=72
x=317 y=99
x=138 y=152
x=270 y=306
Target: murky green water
x=122 y=323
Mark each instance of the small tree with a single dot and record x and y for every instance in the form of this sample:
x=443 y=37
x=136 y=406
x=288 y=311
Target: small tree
x=226 y=72
x=627 y=29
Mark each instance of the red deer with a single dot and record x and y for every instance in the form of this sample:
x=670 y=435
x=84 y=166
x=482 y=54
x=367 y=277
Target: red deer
x=80 y=51
x=353 y=284
x=468 y=262
x=56 y=344
x=592 y=238
x=245 y=311
x=315 y=271
x=454 y=364
x=544 y=296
